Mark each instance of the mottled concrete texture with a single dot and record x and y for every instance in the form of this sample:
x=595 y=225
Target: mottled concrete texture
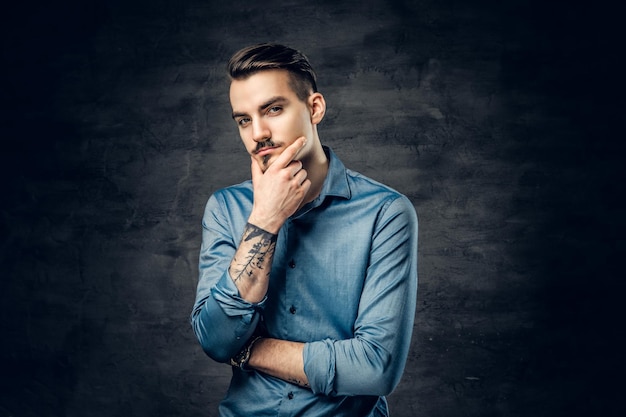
x=497 y=119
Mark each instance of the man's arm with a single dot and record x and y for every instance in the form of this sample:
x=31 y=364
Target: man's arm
x=252 y=263
x=279 y=358
x=372 y=362
x=278 y=192
x=226 y=313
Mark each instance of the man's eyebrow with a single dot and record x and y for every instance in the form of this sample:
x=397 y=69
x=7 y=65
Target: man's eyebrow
x=272 y=101
x=268 y=103
x=235 y=115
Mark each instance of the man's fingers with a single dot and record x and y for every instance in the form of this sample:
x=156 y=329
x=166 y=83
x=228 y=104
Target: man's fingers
x=295 y=167
x=290 y=152
x=300 y=176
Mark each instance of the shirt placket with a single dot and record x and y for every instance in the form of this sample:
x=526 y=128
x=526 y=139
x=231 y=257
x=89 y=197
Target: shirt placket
x=291 y=279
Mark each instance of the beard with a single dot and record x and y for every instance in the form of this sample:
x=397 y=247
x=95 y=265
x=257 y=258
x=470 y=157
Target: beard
x=265 y=144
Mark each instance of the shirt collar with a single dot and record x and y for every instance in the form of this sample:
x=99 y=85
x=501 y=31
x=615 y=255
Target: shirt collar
x=336 y=182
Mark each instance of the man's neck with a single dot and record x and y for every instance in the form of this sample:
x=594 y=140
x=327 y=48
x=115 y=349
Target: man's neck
x=317 y=169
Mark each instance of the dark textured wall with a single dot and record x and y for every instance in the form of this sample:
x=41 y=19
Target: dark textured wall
x=497 y=119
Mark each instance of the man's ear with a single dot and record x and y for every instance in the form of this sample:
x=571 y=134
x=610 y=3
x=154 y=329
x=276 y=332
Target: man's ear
x=317 y=107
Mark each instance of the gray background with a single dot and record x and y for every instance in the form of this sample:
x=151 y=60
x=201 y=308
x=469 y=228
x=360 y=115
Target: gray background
x=499 y=120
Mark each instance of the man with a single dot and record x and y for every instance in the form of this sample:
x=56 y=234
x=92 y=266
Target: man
x=308 y=272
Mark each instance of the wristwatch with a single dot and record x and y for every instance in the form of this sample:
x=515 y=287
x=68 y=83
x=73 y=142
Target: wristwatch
x=240 y=360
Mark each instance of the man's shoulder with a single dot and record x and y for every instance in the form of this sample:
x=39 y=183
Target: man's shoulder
x=236 y=194
x=235 y=190
x=386 y=198
x=360 y=183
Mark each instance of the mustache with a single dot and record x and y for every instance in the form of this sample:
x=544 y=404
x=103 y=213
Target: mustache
x=265 y=144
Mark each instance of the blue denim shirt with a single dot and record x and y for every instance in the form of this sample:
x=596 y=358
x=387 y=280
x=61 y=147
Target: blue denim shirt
x=343 y=280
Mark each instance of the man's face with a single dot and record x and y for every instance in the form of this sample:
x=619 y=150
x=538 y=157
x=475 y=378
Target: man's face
x=269 y=115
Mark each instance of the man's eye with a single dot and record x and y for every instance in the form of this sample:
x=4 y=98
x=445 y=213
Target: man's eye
x=274 y=109
x=243 y=121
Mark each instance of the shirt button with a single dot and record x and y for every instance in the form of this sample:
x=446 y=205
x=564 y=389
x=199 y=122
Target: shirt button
x=290 y=395
x=292 y=310
x=292 y=264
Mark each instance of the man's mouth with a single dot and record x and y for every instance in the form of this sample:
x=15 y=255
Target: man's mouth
x=265 y=144
x=265 y=150
x=262 y=148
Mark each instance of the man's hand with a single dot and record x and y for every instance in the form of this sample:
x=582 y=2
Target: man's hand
x=280 y=190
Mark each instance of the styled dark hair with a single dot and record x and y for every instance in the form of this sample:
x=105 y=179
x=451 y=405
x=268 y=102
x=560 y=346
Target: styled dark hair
x=267 y=56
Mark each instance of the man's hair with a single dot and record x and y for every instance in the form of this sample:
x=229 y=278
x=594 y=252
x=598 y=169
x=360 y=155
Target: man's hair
x=268 y=56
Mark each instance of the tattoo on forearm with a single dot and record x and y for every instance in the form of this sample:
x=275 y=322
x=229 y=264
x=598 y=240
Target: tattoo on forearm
x=263 y=247
x=300 y=383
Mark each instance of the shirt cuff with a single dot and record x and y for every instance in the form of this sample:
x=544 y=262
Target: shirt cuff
x=319 y=366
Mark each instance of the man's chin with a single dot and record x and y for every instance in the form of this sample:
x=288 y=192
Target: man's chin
x=266 y=161
x=269 y=159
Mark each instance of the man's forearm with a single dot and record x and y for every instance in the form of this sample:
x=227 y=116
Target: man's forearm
x=281 y=359
x=252 y=263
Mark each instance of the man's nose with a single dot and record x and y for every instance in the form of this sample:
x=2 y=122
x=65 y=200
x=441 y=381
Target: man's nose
x=260 y=131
